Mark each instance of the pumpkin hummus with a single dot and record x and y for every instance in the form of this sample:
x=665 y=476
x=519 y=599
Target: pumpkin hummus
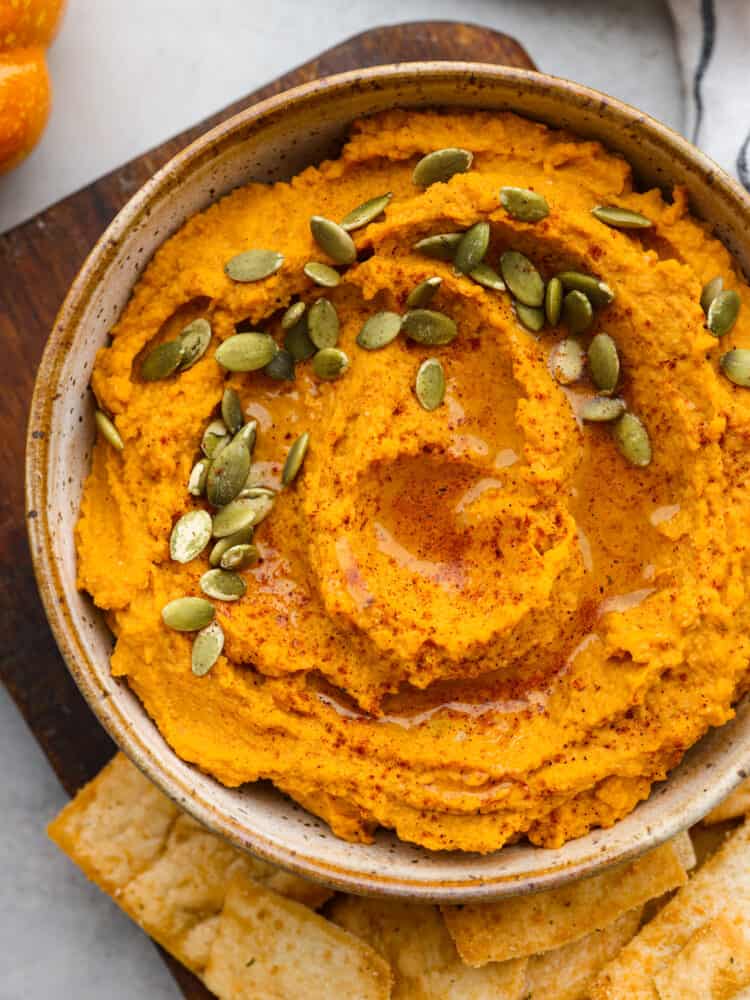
x=468 y=624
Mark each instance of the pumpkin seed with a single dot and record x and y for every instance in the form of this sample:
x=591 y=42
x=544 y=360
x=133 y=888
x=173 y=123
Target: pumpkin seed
x=631 y=437
x=424 y=326
x=240 y=514
x=333 y=240
x=297 y=341
x=330 y=363
x=195 y=339
x=293 y=315
x=223 y=545
x=604 y=363
x=295 y=458
x=190 y=535
x=215 y=437
x=440 y=165
x=524 y=205
x=231 y=411
x=553 y=297
x=723 y=312
x=577 y=312
x=323 y=324
x=227 y=474
x=620 y=218
x=187 y=614
x=247 y=435
x=567 y=361
x=207 y=647
x=197 y=480
x=423 y=293
x=240 y=557
x=430 y=384
x=281 y=366
x=486 y=276
x=253 y=265
x=736 y=366
x=162 y=362
x=601 y=409
x=108 y=430
x=322 y=274
x=522 y=278
x=597 y=292
x=366 y=212
x=530 y=317
x=379 y=330
x=255 y=490
x=441 y=246
x=710 y=290
x=472 y=248
x=222 y=585
x=246 y=352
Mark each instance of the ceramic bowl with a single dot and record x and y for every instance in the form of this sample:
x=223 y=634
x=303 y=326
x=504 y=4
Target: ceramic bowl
x=272 y=141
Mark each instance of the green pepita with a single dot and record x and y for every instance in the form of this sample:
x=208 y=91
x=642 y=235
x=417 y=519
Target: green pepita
x=323 y=324
x=281 y=366
x=190 y=535
x=379 y=330
x=223 y=545
x=247 y=435
x=293 y=315
x=246 y=352
x=441 y=246
x=188 y=614
x=440 y=165
x=522 y=278
x=472 y=248
x=424 y=326
x=231 y=411
x=567 y=361
x=602 y=409
x=297 y=341
x=322 y=274
x=710 y=290
x=215 y=437
x=240 y=557
x=240 y=514
x=421 y=296
x=620 y=218
x=330 y=363
x=736 y=366
x=366 y=212
x=486 y=276
x=333 y=239
x=195 y=339
x=632 y=440
x=430 y=384
x=723 y=312
x=197 y=480
x=253 y=265
x=530 y=317
x=597 y=292
x=222 y=585
x=524 y=205
x=553 y=297
x=604 y=363
x=295 y=458
x=227 y=474
x=207 y=647
x=108 y=430
x=577 y=312
x=162 y=362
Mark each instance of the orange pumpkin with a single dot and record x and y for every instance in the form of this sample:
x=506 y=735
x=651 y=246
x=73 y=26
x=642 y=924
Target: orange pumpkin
x=26 y=29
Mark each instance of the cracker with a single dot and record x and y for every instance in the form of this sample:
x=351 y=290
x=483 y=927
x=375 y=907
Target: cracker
x=270 y=947
x=713 y=965
x=735 y=805
x=723 y=879
x=425 y=963
x=526 y=925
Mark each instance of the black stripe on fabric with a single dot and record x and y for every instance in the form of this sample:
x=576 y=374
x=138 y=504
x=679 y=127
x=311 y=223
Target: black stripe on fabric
x=708 y=14
x=743 y=167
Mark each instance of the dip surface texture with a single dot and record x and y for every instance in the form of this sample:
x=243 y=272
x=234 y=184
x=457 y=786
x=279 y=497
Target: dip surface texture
x=470 y=624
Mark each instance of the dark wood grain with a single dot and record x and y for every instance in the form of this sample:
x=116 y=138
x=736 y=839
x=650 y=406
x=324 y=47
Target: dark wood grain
x=38 y=261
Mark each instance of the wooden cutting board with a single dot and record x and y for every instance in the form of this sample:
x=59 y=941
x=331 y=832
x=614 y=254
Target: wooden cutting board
x=39 y=261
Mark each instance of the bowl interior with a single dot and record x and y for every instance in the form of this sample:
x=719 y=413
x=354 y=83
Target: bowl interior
x=273 y=142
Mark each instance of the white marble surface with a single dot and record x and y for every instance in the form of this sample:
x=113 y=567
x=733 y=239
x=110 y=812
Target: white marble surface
x=126 y=76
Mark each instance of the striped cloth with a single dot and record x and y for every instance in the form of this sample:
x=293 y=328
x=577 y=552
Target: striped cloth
x=713 y=41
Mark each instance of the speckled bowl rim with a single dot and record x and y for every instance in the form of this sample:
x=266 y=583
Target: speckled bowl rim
x=726 y=774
